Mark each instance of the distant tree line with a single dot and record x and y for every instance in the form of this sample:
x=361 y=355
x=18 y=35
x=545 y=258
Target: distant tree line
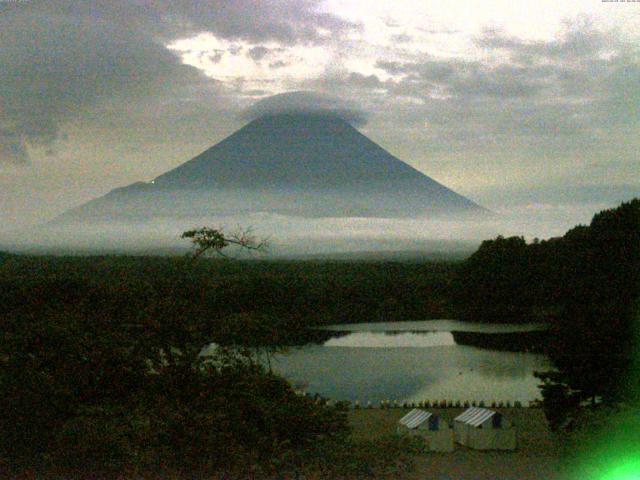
x=309 y=292
x=586 y=284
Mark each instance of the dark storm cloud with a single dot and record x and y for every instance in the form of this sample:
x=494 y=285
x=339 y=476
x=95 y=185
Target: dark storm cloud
x=60 y=59
x=308 y=103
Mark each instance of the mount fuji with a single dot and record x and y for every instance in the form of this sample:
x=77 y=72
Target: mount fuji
x=309 y=164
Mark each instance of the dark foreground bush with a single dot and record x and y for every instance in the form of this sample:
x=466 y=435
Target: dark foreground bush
x=87 y=396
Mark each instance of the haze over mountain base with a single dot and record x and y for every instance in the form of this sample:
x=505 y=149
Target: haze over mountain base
x=298 y=236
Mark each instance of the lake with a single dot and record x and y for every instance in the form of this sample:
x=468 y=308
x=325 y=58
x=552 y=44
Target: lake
x=412 y=361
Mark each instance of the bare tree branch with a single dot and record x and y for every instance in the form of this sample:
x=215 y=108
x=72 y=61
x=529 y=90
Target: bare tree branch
x=207 y=239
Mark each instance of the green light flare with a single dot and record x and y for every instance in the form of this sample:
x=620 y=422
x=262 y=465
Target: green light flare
x=624 y=469
x=613 y=453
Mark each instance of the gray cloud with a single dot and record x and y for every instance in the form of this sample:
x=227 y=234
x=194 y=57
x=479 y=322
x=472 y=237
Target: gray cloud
x=12 y=148
x=290 y=21
x=575 y=194
x=306 y=102
x=54 y=65
x=60 y=59
x=580 y=40
x=585 y=81
x=278 y=64
x=348 y=80
x=402 y=38
x=258 y=53
x=440 y=31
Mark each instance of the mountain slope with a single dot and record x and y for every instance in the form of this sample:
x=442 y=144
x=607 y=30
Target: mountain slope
x=299 y=164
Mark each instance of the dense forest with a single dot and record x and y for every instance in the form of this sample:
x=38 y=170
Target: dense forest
x=586 y=285
x=312 y=292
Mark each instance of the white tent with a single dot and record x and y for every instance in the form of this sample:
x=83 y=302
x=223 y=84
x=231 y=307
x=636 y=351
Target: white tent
x=484 y=429
x=437 y=435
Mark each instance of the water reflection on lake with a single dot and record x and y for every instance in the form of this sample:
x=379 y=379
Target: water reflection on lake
x=386 y=340
x=436 y=326
x=414 y=366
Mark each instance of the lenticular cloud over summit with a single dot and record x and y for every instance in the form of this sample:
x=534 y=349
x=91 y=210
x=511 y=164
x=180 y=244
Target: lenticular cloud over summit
x=310 y=103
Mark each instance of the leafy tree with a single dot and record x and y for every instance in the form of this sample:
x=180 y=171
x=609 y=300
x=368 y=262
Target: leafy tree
x=595 y=339
x=493 y=286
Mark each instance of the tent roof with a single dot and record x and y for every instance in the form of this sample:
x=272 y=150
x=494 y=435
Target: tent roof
x=475 y=416
x=415 y=418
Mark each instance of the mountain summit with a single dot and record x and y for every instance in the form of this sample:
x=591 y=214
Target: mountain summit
x=308 y=164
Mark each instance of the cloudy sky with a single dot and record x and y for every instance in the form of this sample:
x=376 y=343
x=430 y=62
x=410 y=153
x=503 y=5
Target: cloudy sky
x=513 y=103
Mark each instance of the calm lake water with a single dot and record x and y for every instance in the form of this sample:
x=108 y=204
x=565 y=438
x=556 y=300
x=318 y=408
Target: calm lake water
x=413 y=361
